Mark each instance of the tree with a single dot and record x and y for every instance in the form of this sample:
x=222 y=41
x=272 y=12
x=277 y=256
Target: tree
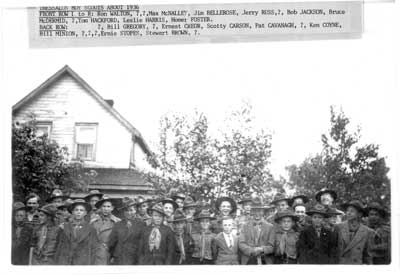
x=233 y=162
x=353 y=170
x=40 y=165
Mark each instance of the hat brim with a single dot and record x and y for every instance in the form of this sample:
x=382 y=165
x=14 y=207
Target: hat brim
x=320 y=193
x=303 y=197
x=192 y=205
x=21 y=209
x=245 y=200
x=151 y=210
x=127 y=206
x=47 y=212
x=294 y=217
x=205 y=217
x=359 y=208
x=281 y=199
x=54 y=197
x=324 y=214
x=92 y=195
x=176 y=197
x=85 y=204
x=230 y=200
x=101 y=201
x=174 y=204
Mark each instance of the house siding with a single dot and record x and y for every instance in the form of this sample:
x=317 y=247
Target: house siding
x=66 y=103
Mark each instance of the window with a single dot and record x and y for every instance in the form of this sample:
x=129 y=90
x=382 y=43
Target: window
x=43 y=128
x=85 y=141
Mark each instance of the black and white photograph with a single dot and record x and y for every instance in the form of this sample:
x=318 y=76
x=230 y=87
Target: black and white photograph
x=180 y=154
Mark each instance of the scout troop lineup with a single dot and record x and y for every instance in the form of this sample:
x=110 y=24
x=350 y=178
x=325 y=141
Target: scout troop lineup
x=180 y=231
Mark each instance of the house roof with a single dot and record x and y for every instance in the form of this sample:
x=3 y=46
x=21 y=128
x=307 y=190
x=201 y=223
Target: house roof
x=67 y=70
x=119 y=177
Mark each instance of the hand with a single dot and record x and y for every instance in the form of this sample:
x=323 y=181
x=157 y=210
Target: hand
x=258 y=251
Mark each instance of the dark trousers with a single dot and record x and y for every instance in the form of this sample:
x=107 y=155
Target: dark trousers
x=253 y=261
x=196 y=261
x=284 y=260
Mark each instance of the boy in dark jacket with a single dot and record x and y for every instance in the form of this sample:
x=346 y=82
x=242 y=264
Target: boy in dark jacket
x=184 y=242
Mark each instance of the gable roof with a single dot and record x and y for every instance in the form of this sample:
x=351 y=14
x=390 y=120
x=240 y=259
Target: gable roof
x=67 y=70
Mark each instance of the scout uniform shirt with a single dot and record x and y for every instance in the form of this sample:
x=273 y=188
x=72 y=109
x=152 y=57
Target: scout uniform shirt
x=103 y=226
x=381 y=247
x=202 y=246
x=45 y=238
x=283 y=245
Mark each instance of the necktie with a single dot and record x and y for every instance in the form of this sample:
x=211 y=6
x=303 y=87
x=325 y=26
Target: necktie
x=230 y=241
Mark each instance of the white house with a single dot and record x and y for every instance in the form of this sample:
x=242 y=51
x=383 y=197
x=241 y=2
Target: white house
x=74 y=115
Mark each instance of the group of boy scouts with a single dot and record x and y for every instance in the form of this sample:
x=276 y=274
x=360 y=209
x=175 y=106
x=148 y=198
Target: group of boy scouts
x=95 y=230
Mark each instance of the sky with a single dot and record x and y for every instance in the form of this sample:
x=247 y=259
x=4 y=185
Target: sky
x=291 y=85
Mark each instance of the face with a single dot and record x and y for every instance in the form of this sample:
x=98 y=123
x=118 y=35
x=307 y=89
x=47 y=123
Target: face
x=352 y=213
x=333 y=220
x=225 y=208
x=168 y=209
x=204 y=224
x=298 y=200
x=42 y=218
x=317 y=220
x=178 y=226
x=157 y=218
x=93 y=200
x=57 y=200
x=300 y=211
x=374 y=216
x=130 y=212
x=189 y=212
x=20 y=216
x=257 y=213
x=282 y=205
x=326 y=199
x=227 y=225
x=286 y=223
x=33 y=203
x=247 y=207
x=64 y=212
x=142 y=209
x=79 y=212
x=179 y=201
x=106 y=208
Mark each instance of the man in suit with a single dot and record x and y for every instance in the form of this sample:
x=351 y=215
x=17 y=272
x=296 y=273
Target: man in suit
x=355 y=239
x=255 y=236
x=124 y=238
x=317 y=244
x=157 y=242
x=225 y=245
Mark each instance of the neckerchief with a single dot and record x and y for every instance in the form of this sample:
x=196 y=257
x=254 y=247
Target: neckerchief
x=154 y=238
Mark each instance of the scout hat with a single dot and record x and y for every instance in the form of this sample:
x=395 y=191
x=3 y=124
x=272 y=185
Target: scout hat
x=178 y=195
x=126 y=203
x=157 y=208
x=331 y=211
x=318 y=209
x=178 y=216
x=169 y=200
x=204 y=214
x=31 y=195
x=246 y=198
x=303 y=197
x=257 y=204
x=79 y=201
x=325 y=191
x=378 y=207
x=49 y=209
x=189 y=202
x=356 y=204
x=93 y=193
x=279 y=197
x=230 y=200
x=65 y=204
x=57 y=193
x=105 y=198
x=17 y=206
x=286 y=213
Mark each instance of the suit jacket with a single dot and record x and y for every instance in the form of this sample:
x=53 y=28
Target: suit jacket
x=79 y=250
x=222 y=254
x=124 y=241
x=162 y=256
x=247 y=240
x=21 y=244
x=358 y=249
x=317 y=250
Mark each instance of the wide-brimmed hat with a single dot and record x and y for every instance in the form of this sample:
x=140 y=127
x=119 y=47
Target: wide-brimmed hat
x=157 y=208
x=32 y=195
x=245 y=198
x=93 y=193
x=230 y=200
x=178 y=195
x=17 y=206
x=279 y=197
x=332 y=211
x=105 y=198
x=325 y=191
x=178 y=216
x=356 y=204
x=57 y=193
x=65 y=203
x=82 y=202
x=257 y=204
x=204 y=214
x=317 y=209
x=49 y=209
x=303 y=197
x=126 y=203
x=189 y=202
x=171 y=201
x=286 y=213
x=378 y=207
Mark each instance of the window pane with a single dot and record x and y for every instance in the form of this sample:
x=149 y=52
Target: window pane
x=86 y=134
x=42 y=130
x=85 y=151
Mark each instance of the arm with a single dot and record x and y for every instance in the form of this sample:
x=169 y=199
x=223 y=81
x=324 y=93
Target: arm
x=243 y=245
x=214 y=248
x=367 y=253
x=113 y=240
x=269 y=248
x=170 y=243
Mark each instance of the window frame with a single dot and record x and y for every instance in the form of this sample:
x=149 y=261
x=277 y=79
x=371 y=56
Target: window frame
x=48 y=124
x=82 y=124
